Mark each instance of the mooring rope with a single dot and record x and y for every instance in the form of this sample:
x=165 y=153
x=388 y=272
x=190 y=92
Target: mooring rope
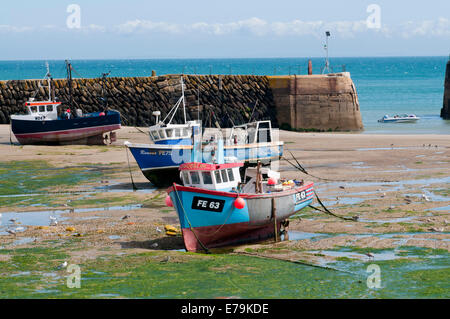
x=294 y=262
x=303 y=170
x=129 y=168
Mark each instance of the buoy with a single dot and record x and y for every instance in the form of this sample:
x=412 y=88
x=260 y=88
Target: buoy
x=101 y=114
x=239 y=203
x=272 y=181
x=171 y=233
x=169 y=201
x=170 y=228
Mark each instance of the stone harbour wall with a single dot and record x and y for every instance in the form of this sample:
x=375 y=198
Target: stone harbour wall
x=309 y=102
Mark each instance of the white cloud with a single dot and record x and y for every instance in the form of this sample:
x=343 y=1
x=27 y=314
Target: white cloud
x=258 y=27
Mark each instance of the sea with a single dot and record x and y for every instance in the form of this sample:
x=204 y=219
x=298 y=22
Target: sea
x=385 y=85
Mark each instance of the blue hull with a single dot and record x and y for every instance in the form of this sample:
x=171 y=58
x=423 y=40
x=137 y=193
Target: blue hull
x=159 y=163
x=211 y=218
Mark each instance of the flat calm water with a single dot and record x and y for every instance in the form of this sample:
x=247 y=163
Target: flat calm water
x=391 y=85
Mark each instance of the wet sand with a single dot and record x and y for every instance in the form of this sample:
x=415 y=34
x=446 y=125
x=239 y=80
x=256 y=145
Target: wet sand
x=396 y=184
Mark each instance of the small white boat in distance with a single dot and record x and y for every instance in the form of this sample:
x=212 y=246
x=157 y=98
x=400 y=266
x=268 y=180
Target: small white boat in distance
x=405 y=118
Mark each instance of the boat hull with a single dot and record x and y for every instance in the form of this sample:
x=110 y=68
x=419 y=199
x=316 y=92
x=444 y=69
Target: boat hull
x=77 y=130
x=209 y=218
x=157 y=161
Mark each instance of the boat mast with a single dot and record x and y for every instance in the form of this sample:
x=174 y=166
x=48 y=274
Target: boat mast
x=69 y=81
x=182 y=95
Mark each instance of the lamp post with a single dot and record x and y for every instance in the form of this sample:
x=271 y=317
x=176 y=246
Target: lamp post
x=327 y=63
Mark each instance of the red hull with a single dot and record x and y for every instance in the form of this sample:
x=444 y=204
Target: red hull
x=226 y=235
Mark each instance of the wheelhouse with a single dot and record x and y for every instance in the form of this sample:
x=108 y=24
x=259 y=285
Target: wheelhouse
x=223 y=177
x=172 y=133
x=250 y=133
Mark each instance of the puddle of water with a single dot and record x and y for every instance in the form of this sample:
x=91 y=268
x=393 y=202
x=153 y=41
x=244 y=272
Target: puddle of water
x=21 y=241
x=444 y=208
x=42 y=218
x=298 y=235
x=114 y=237
x=386 y=255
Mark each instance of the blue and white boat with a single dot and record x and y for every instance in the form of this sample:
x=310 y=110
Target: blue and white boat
x=43 y=125
x=173 y=143
x=405 y=118
x=215 y=209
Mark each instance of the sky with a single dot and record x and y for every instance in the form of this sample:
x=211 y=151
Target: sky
x=112 y=29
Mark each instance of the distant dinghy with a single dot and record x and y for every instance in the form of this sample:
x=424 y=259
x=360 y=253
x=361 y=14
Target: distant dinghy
x=405 y=118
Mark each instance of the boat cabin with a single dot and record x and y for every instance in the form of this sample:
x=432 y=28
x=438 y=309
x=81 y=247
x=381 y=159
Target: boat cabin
x=39 y=111
x=220 y=177
x=172 y=133
x=251 y=133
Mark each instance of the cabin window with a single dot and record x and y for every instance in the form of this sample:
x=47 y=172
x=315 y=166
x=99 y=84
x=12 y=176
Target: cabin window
x=154 y=135
x=33 y=109
x=169 y=132
x=41 y=108
x=218 y=179
x=185 y=178
x=185 y=132
x=49 y=108
x=230 y=175
x=207 y=179
x=177 y=132
x=161 y=134
x=195 y=178
x=224 y=175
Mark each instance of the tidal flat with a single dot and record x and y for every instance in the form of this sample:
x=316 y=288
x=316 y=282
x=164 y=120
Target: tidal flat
x=111 y=232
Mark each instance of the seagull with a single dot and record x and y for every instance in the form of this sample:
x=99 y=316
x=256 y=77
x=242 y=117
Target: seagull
x=125 y=217
x=382 y=195
x=165 y=259
x=158 y=230
x=13 y=220
x=11 y=231
x=342 y=187
x=63 y=265
x=425 y=197
x=154 y=245
x=369 y=255
x=53 y=221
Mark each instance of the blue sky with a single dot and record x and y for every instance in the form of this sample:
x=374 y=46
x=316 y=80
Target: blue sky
x=232 y=28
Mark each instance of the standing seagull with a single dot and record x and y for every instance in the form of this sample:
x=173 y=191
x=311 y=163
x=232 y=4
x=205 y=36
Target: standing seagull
x=53 y=221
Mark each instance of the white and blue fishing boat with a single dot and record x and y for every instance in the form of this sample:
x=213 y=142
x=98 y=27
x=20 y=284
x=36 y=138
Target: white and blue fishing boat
x=173 y=143
x=215 y=209
x=43 y=125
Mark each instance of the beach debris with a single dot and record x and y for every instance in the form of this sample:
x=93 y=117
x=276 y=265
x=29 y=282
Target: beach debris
x=342 y=187
x=383 y=195
x=435 y=229
x=43 y=227
x=391 y=207
x=70 y=228
x=11 y=231
x=19 y=229
x=408 y=201
x=77 y=235
x=125 y=217
x=13 y=220
x=100 y=231
x=154 y=245
x=171 y=230
x=130 y=223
